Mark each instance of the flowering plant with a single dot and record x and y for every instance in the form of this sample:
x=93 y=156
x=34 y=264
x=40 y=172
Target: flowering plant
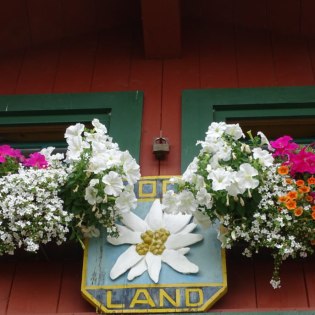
x=31 y=211
x=253 y=189
x=9 y=159
x=101 y=179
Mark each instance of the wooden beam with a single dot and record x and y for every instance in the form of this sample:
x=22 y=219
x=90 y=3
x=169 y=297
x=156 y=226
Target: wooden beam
x=161 y=28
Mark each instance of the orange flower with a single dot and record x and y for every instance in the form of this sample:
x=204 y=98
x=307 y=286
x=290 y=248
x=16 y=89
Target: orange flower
x=313 y=215
x=309 y=198
x=288 y=181
x=313 y=208
x=298 y=211
x=290 y=204
x=282 y=199
x=283 y=170
x=304 y=189
x=300 y=182
x=312 y=242
x=292 y=194
x=311 y=180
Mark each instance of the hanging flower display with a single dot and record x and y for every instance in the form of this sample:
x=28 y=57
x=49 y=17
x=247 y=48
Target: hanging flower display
x=262 y=193
x=101 y=179
x=31 y=210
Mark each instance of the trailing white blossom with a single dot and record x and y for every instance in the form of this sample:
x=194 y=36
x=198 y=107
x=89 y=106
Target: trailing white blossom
x=31 y=211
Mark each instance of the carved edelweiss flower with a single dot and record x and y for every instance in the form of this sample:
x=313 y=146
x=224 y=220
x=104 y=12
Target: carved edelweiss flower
x=160 y=237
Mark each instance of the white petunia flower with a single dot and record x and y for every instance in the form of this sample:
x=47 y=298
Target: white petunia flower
x=204 y=198
x=75 y=147
x=245 y=176
x=170 y=200
x=216 y=129
x=191 y=170
x=74 y=131
x=113 y=183
x=159 y=238
x=100 y=142
x=50 y=158
x=264 y=140
x=91 y=195
x=131 y=168
x=97 y=164
x=99 y=128
x=224 y=153
x=187 y=202
x=221 y=179
x=263 y=156
x=126 y=200
x=235 y=131
x=235 y=188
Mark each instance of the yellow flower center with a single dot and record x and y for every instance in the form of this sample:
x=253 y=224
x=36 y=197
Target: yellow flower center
x=153 y=241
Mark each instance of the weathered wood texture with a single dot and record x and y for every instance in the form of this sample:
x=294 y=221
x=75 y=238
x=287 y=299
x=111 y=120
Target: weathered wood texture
x=227 y=44
x=161 y=23
x=32 y=23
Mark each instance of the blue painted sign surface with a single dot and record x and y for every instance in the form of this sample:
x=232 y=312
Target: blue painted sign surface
x=175 y=292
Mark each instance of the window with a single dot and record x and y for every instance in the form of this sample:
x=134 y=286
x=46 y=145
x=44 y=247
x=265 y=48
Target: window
x=35 y=121
x=275 y=111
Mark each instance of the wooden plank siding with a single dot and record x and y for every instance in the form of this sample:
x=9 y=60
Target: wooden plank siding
x=32 y=23
x=248 y=54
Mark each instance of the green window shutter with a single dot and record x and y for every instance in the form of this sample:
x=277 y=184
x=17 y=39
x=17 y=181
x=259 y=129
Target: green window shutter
x=121 y=112
x=273 y=110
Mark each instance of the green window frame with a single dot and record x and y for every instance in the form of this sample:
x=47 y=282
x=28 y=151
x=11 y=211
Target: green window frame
x=121 y=112
x=202 y=107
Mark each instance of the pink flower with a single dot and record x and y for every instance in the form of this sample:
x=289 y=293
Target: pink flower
x=283 y=146
x=6 y=150
x=36 y=160
x=302 y=162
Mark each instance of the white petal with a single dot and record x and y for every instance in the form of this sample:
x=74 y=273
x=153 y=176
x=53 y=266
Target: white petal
x=176 y=241
x=188 y=228
x=155 y=216
x=176 y=222
x=138 y=269
x=126 y=236
x=125 y=261
x=183 y=250
x=178 y=262
x=154 y=263
x=134 y=222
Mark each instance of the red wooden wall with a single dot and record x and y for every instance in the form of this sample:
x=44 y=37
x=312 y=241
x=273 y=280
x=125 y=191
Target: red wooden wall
x=77 y=46
x=31 y=23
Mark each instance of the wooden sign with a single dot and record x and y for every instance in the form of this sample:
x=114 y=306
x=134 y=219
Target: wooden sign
x=174 y=291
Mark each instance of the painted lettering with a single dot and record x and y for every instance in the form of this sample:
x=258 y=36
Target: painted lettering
x=162 y=298
x=165 y=296
x=109 y=301
x=147 y=298
x=189 y=292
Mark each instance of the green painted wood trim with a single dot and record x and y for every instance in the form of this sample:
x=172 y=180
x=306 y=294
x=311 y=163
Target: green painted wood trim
x=124 y=109
x=201 y=107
